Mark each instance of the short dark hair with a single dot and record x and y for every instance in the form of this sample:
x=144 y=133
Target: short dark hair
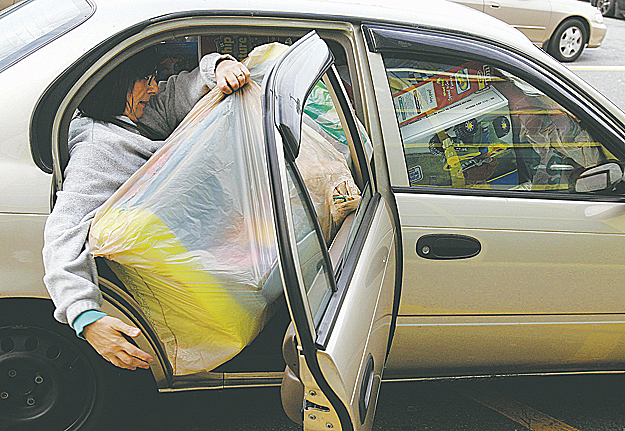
x=108 y=98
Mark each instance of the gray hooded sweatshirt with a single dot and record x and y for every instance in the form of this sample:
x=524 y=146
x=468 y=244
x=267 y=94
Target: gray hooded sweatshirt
x=102 y=157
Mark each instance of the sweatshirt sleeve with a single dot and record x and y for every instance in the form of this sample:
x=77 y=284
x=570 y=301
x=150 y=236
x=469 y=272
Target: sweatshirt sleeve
x=179 y=94
x=91 y=176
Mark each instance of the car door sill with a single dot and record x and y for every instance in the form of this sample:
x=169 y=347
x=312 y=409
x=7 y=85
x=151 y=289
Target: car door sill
x=202 y=381
x=494 y=376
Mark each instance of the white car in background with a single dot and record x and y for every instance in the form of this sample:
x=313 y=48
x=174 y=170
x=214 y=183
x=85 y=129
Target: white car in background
x=561 y=27
x=488 y=240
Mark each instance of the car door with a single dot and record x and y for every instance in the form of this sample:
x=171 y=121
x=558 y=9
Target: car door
x=342 y=309
x=530 y=16
x=508 y=264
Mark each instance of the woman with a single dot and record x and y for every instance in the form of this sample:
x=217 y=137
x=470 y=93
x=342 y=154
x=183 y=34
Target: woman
x=121 y=123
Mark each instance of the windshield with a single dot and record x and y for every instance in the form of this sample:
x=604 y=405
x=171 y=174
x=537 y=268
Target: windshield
x=31 y=24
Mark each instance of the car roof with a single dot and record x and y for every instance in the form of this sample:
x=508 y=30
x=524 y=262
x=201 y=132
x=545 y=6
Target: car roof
x=117 y=17
x=422 y=13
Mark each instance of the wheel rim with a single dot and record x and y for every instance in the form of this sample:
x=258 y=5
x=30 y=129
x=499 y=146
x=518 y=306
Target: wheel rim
x=604 y=6
x=570 y=42
x=46 y=382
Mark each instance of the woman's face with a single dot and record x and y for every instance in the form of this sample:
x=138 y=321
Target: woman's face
x=138 y=98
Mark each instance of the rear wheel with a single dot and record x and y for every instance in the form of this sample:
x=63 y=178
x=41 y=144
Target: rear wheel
x=49 y=379
x=568 y=41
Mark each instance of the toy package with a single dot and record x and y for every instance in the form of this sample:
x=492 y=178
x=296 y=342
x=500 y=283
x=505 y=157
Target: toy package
x=441 y=90
x=465 y=144
x=191 y=233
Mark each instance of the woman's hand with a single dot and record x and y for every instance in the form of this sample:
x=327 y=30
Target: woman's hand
x=106 y=336
x=231 y=75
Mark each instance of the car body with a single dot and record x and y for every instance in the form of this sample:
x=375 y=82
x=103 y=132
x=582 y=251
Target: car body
x=6 y=3
x=562 y=27
x=486 y=242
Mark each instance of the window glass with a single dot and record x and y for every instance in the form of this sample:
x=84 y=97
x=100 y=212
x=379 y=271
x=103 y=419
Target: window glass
x=325 y=164
x=315 y=275
x=469 y=125
x=33 y=23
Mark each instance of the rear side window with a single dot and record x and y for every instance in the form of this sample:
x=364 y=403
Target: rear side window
x=469 y=125
x=34 y=23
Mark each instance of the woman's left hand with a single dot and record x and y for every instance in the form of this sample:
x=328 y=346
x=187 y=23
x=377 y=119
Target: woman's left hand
x=231 y=75
x=106 y=336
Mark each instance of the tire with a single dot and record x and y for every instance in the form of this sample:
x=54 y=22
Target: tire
x=607 y=7
x=49 y=378
x=568 y=41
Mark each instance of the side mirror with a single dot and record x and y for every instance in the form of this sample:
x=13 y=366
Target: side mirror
x=599 y=178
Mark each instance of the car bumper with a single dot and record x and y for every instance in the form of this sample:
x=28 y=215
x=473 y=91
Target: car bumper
x=597 y=33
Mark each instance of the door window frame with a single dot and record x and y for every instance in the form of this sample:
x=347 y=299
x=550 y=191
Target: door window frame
x=343 y=272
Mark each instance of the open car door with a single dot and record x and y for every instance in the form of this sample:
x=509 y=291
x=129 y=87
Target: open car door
x=341 y=308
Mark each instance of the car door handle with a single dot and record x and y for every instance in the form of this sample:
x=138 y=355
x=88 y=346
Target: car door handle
x=494 y=5
x=447 y=246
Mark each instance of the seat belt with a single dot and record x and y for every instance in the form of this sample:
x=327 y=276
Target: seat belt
x=142 y=129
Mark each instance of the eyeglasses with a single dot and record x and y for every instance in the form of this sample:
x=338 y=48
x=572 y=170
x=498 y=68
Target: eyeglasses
x=151 y=79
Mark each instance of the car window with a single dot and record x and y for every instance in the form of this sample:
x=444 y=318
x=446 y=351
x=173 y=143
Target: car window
x=33 y=23
x=469 y=125
x=239 y=45
x=315 y=274
x=326 y=167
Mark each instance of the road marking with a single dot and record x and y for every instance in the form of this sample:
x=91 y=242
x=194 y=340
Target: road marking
x=599 y=68
x=520 y=413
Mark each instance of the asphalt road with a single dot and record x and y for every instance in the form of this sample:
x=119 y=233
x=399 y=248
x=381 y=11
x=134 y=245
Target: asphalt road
x=560 y=403
x=604 y=67
x=565 y=403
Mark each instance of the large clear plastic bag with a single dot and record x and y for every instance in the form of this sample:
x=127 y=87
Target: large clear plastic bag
x=554 y=135
x=191 y=233
x=328 y=179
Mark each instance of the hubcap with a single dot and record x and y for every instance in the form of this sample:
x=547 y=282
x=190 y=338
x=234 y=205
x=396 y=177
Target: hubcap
x=604 y=6
x=570 y=42
x=45 y=381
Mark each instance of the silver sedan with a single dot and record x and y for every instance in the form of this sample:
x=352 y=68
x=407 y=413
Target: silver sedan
x=562 y=27
x=487 y=240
